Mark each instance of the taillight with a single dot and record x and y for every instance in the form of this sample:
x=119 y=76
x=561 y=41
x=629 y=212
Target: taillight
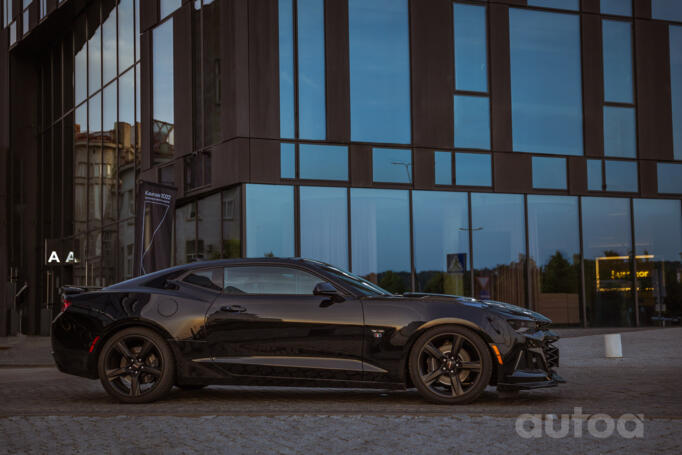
x=65 y=304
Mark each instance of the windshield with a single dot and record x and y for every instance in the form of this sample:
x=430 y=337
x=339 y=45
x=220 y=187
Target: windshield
x=357 y=283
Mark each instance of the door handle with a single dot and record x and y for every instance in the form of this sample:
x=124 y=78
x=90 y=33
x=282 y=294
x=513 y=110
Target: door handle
x=233 y=308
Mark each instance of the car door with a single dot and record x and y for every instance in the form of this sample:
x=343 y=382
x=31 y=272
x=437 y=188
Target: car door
x=267 y=322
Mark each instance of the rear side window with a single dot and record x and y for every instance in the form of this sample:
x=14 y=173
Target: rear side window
x=206 y=278
x=269 y=280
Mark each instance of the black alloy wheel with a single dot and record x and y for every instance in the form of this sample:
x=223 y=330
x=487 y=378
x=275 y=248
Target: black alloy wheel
x=136 y=366
x=450 y=365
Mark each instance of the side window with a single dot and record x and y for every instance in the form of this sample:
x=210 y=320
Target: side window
x=269 y=280
x=207 y=278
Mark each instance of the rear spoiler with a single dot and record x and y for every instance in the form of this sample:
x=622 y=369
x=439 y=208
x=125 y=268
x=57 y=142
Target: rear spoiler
x=69 y=290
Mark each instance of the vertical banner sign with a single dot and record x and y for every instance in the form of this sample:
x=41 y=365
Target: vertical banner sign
x=154 y=227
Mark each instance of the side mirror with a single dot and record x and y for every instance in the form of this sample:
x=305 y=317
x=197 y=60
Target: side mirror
x=171 y=284
x=327 y=290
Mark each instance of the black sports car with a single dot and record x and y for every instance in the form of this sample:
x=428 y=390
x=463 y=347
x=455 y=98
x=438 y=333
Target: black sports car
x=295 y=322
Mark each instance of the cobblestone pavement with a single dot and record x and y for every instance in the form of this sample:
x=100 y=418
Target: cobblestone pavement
x=44 y=411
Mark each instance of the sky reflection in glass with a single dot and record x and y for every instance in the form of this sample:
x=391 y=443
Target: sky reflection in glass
x=472 y=122
x=621 y=176
x=269 y=220
x=617 y=53
x=392 y=165
x=620 y=136
x=471 y=49
x=473 y=169
x=324 y=224
x=675 y=33
x=670 y=178
x=443 y=168
x=312 y=120
x=549 y=173
x=286 y=69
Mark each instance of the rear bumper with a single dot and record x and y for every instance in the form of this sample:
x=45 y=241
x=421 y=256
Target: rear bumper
x=70 y=347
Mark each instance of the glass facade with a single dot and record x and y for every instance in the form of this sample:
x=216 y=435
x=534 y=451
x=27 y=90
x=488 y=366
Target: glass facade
x=616 y=7
x=163 y=124
x=549 y=173
x=546 y=88
x=669 y=10
x=675 y=36
x=392 y=165
x=269 y=221
x=324 y=224
x=670 y=178
x=473 y=169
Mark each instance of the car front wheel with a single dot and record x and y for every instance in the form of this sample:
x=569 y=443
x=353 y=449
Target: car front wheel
x=136 y=366
x=450 y=365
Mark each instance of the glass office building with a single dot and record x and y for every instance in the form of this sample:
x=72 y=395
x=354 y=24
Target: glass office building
x=528 y=151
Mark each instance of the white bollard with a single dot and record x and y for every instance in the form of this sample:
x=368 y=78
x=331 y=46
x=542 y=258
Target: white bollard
x=613 y=346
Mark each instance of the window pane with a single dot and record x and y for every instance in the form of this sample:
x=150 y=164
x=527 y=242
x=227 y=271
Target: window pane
x=185 y=233
x=471 y=49
x=126 y=106
x=311 y=83
x=286 y=69
x=667 y=10
x=617 y=7
x=670 y=178
x=95 y=59
x=473 y=169
x=392 y=165
x=617 y=52
x=621 y=176
x=675 y=32
x=380 y=237
x=549 y=173
x=167 y=7
x=126 y=35
x=499 y=247
x=209 y=279
x=269 y=221
x=620 y=137
x=379 y=71
x=546 y=83
x=323 y=162
x=269 y=280
x=80 y=169
x=109 y=152
x=287 y=161
x=108 y=42
x=324 y=225
x=594 y=175
x=658 y=242
x=472 y=122
x=232 y=224
x=554 y=242
x=208 y=230
x=163 y=106
x=573 y=5
x=441 y=242
x=443 y=168
x=606 y=248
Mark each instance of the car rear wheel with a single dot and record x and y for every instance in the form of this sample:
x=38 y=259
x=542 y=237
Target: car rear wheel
x=450 y=365
x=136 y=366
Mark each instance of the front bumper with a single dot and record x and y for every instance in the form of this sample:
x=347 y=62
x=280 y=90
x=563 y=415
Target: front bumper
x=531 y=363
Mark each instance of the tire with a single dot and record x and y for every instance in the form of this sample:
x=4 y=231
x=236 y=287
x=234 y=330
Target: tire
x=190 y=387
x=444 y=376
x=136 y=366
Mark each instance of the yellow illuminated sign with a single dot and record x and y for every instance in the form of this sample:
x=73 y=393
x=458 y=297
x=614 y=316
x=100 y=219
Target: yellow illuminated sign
x=614 y=274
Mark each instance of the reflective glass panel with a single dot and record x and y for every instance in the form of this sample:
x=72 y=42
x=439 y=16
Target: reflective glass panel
x=472 y=122
x=286 y=69
x=126 y=35
x=312 y=119
x=108 y=42
x=80 y=169
x=606 y=248
x=441 y=242
x=499 y=247
x=126 y=248
x=573 y=5
x=324 y=224
x=163 y=131
x=81 y=67
x=379 y=71
x=549 y=173
x=621 y=176
x=675 y=32
x=287 y=160
x=232 y=225
x=323 y=162
x=109 y=152
x=185 y=233
x=95 y=60
x=616 y=7
x=546 y=87
x=554 y=243
x=380 y=237
x=269 y=280
x=443 y=168
x=617 y=52
x=473 y=169
x=594 y=175
x=670 y=178
x=471 y=48
x=392 y=165
x=670 y=10
x=167 y=7
x=269 y=221
x=658 y=243
x=208 y=228
x=95 y=162
x=620 y=136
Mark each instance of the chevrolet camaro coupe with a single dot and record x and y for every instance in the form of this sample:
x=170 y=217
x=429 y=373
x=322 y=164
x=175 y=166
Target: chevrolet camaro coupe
x=295 y=322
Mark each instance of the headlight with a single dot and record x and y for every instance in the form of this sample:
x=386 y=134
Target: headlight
x=522 y=325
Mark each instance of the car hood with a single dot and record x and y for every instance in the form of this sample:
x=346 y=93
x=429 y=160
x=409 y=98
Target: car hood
x=502 y=308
